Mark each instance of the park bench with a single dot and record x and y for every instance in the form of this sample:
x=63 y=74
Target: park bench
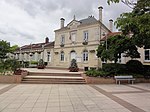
x=128 y=78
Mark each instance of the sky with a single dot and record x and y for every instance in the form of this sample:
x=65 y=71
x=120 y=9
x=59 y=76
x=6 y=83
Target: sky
x=30 y=21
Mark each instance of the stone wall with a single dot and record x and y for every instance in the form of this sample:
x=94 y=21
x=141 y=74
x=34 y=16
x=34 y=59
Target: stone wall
x=12 y=78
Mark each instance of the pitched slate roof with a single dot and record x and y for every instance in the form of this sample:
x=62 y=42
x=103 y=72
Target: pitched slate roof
x=36 y=46
x=88 y=20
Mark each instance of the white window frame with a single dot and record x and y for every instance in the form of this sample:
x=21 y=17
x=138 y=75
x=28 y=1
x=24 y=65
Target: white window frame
x=48 y=56
x=85 y=56
x=62 y=56
x=147 y=60
x=85 y=36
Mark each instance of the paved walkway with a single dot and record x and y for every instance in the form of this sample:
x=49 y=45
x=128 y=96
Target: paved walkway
x=74 y=98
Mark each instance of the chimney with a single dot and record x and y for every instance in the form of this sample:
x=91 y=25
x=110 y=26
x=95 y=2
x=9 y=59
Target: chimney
x=62 y=20
x=46 y=40
x=100 y=13
x=111 y=25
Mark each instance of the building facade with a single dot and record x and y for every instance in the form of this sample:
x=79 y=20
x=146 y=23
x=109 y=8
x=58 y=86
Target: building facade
x=78 y=40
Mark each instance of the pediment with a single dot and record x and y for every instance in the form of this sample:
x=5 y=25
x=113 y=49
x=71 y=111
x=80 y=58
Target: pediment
x=73 y=24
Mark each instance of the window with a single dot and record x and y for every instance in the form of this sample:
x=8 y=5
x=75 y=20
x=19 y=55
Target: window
x=73 y=37
x=147 y=55
x=62 y=56
x=62 y=41
x=73 y=55
x=48 y=56
x=85 y=38
x=85 y=55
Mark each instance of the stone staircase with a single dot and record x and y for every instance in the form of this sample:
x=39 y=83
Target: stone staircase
x=53 y=78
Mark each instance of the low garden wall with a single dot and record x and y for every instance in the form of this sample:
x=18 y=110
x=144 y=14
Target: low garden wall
x=101 y=80
x=12 y=78
x=98 y=80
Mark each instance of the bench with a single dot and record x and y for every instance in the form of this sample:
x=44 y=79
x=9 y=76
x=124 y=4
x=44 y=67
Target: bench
x=128 y=78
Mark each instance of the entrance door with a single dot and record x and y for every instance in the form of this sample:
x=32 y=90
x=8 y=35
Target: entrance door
x=73 y=55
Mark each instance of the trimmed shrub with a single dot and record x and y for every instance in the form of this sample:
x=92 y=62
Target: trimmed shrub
x=135 y=67
x=114 y=68
x=96 y=73
x=146 y=71
x=34 y=62
x=73 y=67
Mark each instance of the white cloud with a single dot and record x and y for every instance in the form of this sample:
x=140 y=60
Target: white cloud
x=26 y=21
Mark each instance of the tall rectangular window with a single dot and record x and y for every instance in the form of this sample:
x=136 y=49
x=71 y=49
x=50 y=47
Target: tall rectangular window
x=85 y=38
x=62 y=57
x=48 y=56
x=62 y=41
x=85 y=56
x=147 y=55
x=73 y=37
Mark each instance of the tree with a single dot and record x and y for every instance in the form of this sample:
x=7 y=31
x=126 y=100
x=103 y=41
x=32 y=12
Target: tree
x=4 y=49
x=117 y=45
x=7 y=64
x=129 y=3
x=136 y=22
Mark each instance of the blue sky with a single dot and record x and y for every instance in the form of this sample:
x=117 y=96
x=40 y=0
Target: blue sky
x=30 y=21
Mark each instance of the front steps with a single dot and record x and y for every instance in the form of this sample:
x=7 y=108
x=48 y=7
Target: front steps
x=53 y=78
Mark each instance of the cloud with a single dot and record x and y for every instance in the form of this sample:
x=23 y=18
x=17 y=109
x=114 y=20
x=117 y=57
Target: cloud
x=26 y=21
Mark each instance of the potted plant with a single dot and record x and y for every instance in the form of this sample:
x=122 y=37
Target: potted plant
x=16 y=67
x=73 y=67
x=41 y=64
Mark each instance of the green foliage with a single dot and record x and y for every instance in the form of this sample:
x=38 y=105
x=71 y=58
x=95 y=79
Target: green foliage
x=13 y=48
x=40 y=63
x=73 y=67
x=115 y=1
x=4 y=49
x=7 y=64
x=15 y=65
x=34 y=62
x=115 y=46
x=114 y=68
x=135 y=67
x=136 y=22
x=96 y=73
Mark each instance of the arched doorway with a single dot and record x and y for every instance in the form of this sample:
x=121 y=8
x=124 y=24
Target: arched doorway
x=72 y=55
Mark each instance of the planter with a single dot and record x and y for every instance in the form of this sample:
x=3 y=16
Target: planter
x=73 y=69
x=13 y=78
x=41 y=67
x=99 y=80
